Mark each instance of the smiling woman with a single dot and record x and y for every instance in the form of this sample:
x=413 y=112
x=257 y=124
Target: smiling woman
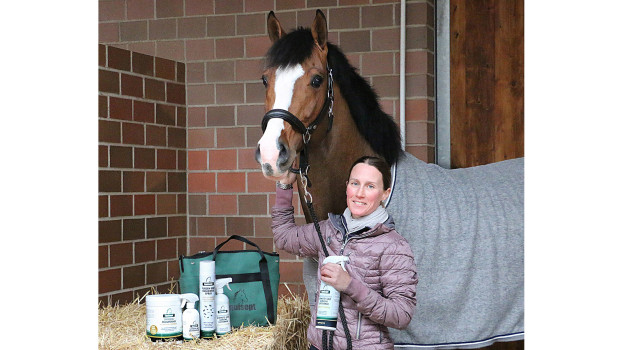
x=381 y=273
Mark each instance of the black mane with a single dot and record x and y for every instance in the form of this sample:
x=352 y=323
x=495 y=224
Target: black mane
x=377 y=127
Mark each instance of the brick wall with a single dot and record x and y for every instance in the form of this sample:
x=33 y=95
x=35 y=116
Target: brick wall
x=222 y=43
x=142 y=172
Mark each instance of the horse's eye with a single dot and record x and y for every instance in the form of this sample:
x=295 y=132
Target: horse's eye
x=264 y=80
x=317 y=80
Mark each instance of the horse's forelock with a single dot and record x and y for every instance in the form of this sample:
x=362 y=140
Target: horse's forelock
x=293 y=48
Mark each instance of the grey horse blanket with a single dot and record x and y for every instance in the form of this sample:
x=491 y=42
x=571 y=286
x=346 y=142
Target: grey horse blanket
x=465 y=227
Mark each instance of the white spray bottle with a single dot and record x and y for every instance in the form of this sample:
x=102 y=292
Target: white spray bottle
x=222 y=307
x=191 y=318
x=329 y=299
x=206 y=285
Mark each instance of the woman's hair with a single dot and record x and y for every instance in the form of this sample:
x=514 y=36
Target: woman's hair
x=379 y=164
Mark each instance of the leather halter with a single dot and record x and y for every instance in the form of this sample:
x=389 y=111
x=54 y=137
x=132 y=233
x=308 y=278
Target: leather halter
x=298 y=126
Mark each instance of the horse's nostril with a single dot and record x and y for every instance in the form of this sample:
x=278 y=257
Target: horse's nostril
x=257 y=154
x=283 y=155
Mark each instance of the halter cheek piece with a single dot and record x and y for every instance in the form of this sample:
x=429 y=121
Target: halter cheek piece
x=298 y=126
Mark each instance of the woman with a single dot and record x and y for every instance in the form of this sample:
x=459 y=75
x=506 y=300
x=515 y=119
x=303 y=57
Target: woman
x=378 y=288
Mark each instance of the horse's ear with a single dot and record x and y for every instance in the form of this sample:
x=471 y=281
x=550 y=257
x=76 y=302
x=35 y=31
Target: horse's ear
x=274 y=28
x=319 y=29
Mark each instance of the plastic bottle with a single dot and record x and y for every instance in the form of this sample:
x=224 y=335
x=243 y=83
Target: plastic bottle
x=206 y=285
x=329 y=299
x=222 y=319
x=191 y=318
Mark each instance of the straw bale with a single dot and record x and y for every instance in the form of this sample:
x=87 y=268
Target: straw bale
x=123 y=327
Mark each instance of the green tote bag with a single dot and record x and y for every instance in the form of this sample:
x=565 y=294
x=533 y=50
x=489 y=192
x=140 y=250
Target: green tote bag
x=255 y=277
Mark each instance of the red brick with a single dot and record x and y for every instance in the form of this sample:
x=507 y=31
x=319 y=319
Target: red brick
x=201 y=94
x=203 y=49
x=133 y=276
x=166 y=204
x=144 y=204
x=109 y=32
x=251 y=24
x=197 y=244
x=210 y=226
x=386 y=39
x=220 y=71
x=348 y=18
x=198 y=7
x=182 y=117
x=156 y=227
x=175 y=93
x=192 y=27
x=177 y=182
x=233 y=244
x=154 y=89
x=108 y=81
x=156 y=272
x=166 y=159
x=111 y=10
x=144 y=158
x=144 y=251
x=253 y=135
x=378 y=16
x=196 y=117
x=167 y=248
x=291 y=271
x=221 y=26
x=177 y=226
x=121 y=254
x=110 y=231
x=176 y=137
x=196 y=72
x=258 y=183
x=119 y=58
x=230 y=137
x=133 y=229
x=103 y=206
x=222 y=204
x=172 y=50
x=143 y=111
x=201 y=182
x=133 y=133
x=201 y=138
x=257 y=46
x=121 y=205
x=155 y=135
x=249 y=69
x=140 y=9
x=253 y=205
x=109 y=280
x=223 y=159
x=259 y=6
x=109 y=181
x=420 y=133
x=169 y=8
x=164 y=68
x=121 y=157
x=242 y=226
x=246 y=159
x=197 y=204
x=377 y=63
x=103 y=256
x=229 y=48
x=134 y=31
x=109 y=131
x=132 y=85
x=165 y=114
x=355 y=41
x=197 y=160
x=230 y=182
x=120 y=108
x=155 y=181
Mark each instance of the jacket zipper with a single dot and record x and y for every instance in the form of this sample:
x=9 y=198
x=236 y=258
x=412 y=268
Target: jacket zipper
x=359 y=325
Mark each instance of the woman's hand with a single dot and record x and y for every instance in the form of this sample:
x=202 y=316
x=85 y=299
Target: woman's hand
x=335 y=276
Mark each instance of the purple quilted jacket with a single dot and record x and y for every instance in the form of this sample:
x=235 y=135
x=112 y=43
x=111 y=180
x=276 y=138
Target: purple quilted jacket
x=382 y=292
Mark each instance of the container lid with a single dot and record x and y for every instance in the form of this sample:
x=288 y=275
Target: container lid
x=164 y=299
x=207 y=267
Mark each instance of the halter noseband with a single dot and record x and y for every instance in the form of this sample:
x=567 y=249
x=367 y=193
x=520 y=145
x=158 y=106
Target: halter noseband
x=298 y=126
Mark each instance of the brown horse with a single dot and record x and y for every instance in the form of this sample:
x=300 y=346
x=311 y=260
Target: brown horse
x=465 y=226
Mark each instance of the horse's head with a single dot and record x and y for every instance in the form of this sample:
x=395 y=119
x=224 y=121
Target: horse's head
x=295 y=80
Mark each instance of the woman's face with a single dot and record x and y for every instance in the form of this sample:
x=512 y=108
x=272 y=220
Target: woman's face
x=365 y=190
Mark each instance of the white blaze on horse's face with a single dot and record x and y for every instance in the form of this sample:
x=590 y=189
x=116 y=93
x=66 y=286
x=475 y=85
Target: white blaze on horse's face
x=270 y=145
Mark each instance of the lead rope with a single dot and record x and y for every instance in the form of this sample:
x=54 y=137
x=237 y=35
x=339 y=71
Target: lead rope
x=308 y=198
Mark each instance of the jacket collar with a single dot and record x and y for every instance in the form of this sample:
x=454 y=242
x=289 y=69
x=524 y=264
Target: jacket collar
x=339 y=223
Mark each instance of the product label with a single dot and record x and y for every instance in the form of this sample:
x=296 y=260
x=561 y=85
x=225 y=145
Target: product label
x=163 y=322
x=191 y=329
x=207 y=302
x=327 y=306
x=223 y=320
